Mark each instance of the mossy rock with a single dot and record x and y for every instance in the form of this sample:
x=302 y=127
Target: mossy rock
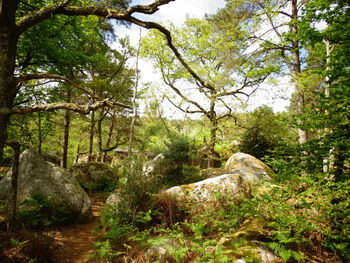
x=213 y=172
x=95 y=176
x=243 y=243
x=251 y=168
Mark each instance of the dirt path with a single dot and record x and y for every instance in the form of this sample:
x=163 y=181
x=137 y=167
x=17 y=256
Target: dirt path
x=76 y=241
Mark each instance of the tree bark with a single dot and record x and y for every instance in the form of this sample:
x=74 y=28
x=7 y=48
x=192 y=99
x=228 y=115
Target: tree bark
x=40 y=133
x=91 y=137
x=99 y=135
x=300 y=98
x=134 y=105
x=109 y=137
x=67 y=118
x=8 y=46
x=14 y=184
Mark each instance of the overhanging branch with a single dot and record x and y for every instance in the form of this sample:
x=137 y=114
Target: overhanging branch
x=62 y=106
x=70 y=82
x=63 y=8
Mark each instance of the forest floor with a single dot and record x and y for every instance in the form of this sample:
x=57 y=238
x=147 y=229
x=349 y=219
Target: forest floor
x=76 y=241
x=66 y=244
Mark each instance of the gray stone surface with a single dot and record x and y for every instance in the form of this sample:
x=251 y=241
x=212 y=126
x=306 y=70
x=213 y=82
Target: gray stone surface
x=241 y=171
x=37 y=176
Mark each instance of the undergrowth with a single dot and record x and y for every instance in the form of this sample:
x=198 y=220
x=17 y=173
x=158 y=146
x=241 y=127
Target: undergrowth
x=307 y=218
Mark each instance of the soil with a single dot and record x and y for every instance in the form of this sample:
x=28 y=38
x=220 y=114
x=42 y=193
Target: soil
x=76 y=241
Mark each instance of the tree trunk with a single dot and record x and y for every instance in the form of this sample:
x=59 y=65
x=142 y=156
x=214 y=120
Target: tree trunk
x=77 y=154
x=99 y=135
x=8 y=47
x=300 y=98
x=134 y=105
x=212 y=154
x=91 y=138
x=14 y=183
x=40 y=133
x=67 y=119
x=109 y=137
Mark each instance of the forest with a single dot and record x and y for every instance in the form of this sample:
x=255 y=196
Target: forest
x=98 y=165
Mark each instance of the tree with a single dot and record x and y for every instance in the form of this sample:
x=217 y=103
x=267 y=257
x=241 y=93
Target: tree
x=263 y=131
x=211 y=96
x=271 y=28
x=331 y=114
x=17 y=17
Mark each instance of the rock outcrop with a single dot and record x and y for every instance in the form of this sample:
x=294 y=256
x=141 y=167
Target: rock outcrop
x=241 y=171
x=248 y=166
x=247 y=236
x=39 y=177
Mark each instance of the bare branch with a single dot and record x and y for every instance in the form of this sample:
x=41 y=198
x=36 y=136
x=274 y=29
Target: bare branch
x=167 y=34
x=284 y=13
x=181 y=109
x=185 y=98
x=62 y=106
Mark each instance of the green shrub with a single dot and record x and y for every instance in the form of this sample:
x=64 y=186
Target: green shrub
x=37 y=212
x=103 y=184
x=178 y=157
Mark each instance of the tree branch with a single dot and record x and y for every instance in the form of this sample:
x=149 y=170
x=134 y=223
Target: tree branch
x=178 y=92
x=63 y=106
x=63 y=8
x=167 y=34
x=72 y=83
x=181 y=109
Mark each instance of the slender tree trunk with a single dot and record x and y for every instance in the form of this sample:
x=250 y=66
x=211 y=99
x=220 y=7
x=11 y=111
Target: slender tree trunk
x=300 y=100
x=67 y=119
x=14 y=183
x=8 y=47
x=77 y=154
x=213 y=155
x=40 y=133
x=109 y=137
x=99 y=134
x=134 y=106
x=91 y=137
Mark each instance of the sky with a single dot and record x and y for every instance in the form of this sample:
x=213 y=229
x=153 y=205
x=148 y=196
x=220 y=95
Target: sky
x=176 y=12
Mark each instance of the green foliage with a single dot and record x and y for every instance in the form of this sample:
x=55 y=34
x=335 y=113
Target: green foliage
x=102 y=184
x=263 y=132
x=337 y=212
x=37 y=212
x=178 y=157
x=135 y=189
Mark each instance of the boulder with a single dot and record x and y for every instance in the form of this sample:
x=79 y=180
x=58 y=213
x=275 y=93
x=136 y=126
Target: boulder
x=245 y=242
x=113 y=201
x=152 y=165
x=39 y=177
x=240 y=172
x=250 y=167
x=95 y=176
x=162 y=251
x=230 y=186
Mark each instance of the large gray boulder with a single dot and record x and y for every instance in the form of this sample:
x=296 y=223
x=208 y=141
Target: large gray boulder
x=39 y=177
x=241 y=171
x=248 y=166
